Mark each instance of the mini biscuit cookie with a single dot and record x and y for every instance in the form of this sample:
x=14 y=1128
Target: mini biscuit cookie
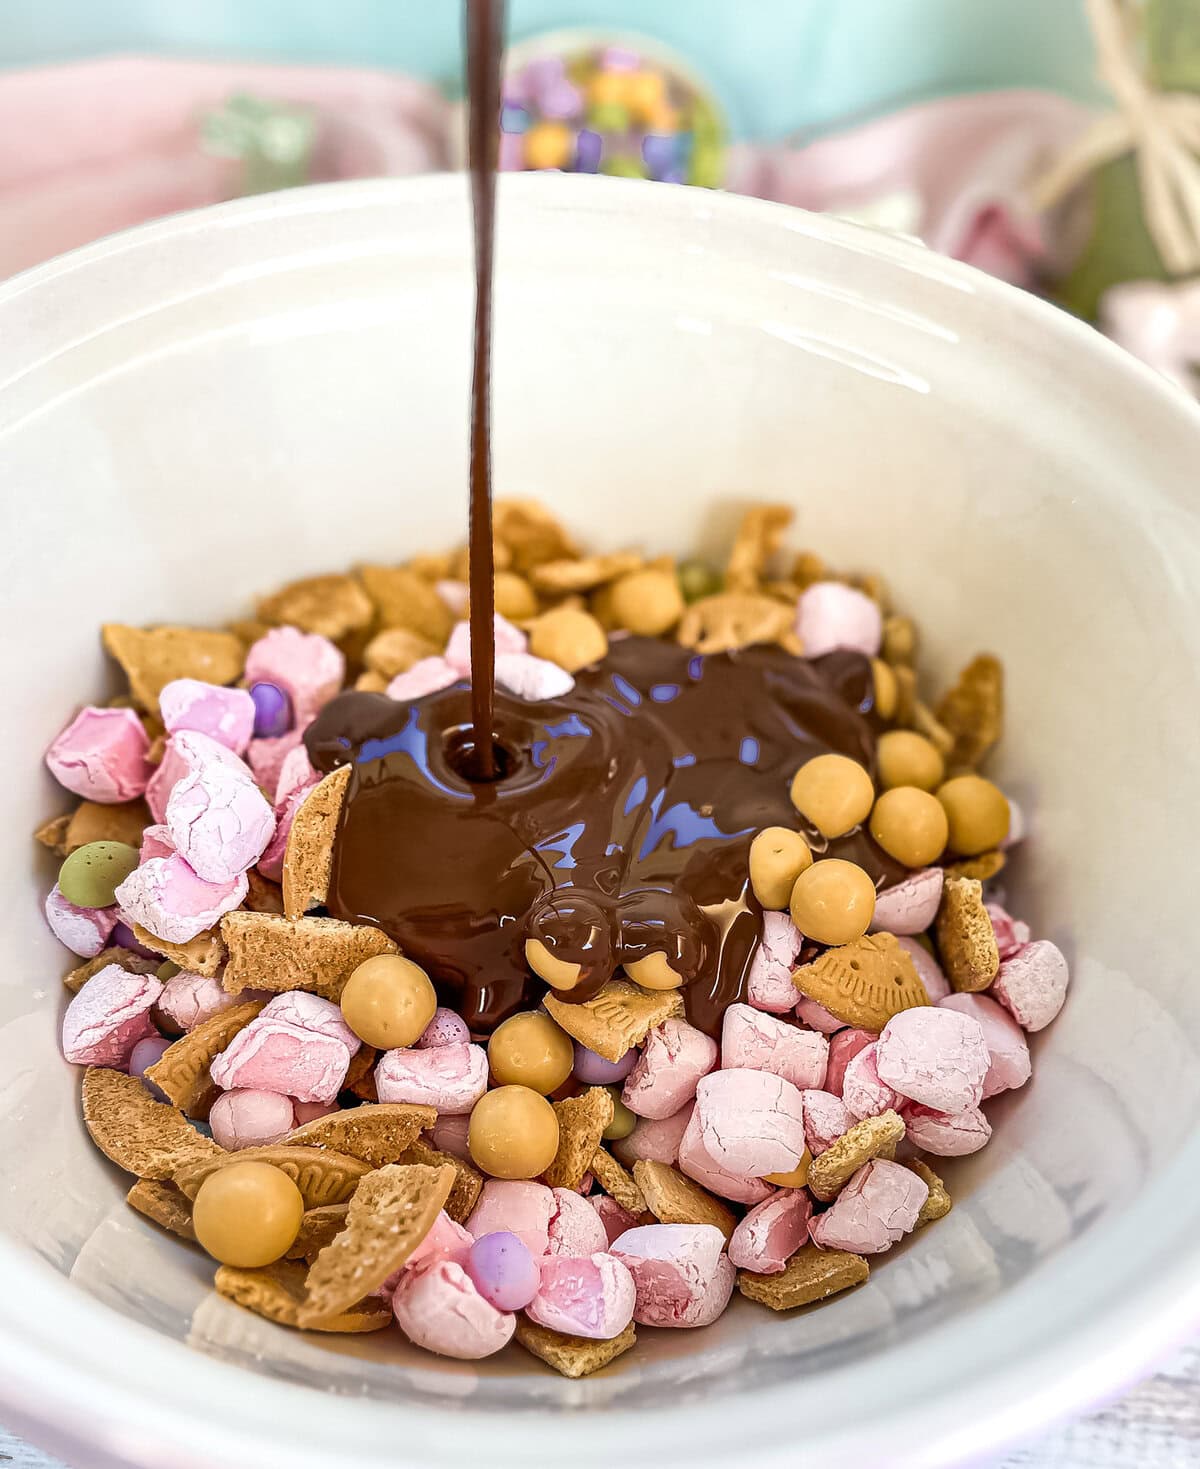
x=939 y=1202
x=392 y=1211
x=573 y=1356
x=277 y=1293
x=155 y=656
x=673 y=1198
x=581 y=1124
x=759 y=536
x=333 y=606
x=468 y=1181
x=321 y=1175
x=76 y=978
x=620 y=1016
x=616 y=1181
x=973 y=710
x=268 y=952
x=141 y=1135
x=982 y=868
x=93 y=821
x=864 y=983
x=583 y=574
x=831 y=1170
x=965 y=937
x=810 y=1275
x=403 y=599
x=318 y=1228
x=182 y=1071
x=162 y=1203
x=379 y=1134
x=202 y=955
x=308 y=857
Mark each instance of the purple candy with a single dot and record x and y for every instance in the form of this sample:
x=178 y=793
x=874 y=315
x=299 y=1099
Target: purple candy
x=589 y=146
x=661 y=152
x=671 y=176
x=143 y=1056
x=272 y=710
x=447 y=1028
x=503 y=1271
x=122 y=937
x=594 y=1070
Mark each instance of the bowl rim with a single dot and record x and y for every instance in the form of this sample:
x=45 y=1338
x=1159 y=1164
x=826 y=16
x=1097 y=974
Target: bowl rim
x=71 y=1369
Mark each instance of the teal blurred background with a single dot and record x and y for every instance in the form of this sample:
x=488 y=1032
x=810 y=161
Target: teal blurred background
x=778 y=65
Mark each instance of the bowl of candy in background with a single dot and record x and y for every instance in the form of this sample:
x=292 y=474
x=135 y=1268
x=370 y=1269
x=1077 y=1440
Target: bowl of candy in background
x=197 y=411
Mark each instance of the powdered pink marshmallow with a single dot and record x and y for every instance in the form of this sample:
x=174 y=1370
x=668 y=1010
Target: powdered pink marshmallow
x=508 y=640
x=1032 y=985
x=166 y=897
x=224 y=714
x=614 y=1218
x=271 y=1055
x=309 y=1111
x=591 y=1297
x=816 y=1017
x=654 y=1138
x=246 y=1119
x=751 y=1122
x=663 y=1080
x=311 y=1012
x=267 y=757
x=911 y=905
x=426 y=676
x=270 y=863
x=306 y=666
x=929 y=971
x=843 y=1047
x=932 y=1059
x=156 y=842
x=450 y=1078
x=188 y=1000
x=681 y=1273
x=446 y=1240
x=101 y=755
x=1011 y=934
x=575 y=1227
x=447 y=1028
x=220 y=822
x=877 y=1207
x=760 y=1042
x=108 y=1016
x=438 y=1308
x=826 y=1117
x=698 y=1163
x=532 y=678
x=863 y=1091
x=949 y=1135
x=771 y=1233
x=769 y=980
x=295 y=774
x=520 y=1208
x=84 y=931
x=1009 y=1065
x=830 y=615
x=449 y=1134
x=455 y=594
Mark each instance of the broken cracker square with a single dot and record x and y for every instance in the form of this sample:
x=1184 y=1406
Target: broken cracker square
x=333 y=606
x=277 y=1292
x=379 y=1133
x=965 y=937
x=468 y=1181
x=163 y=1203
x=573 y=1356
x=939 y=1203
x=673 y=1198
x=94 y=821
x=831 y=1170
x=139 y=1134
x=76 y=978
x=620 y=1016
x=581 y=1124
x=810 y=1275
x=202 y=955
x=308 y=857
x=279 y=954
x=318 y=1228
x=153 y=657
x=181 y=1073
x=617 y=1182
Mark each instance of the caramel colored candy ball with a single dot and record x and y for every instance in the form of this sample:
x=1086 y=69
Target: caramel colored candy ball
x=513 y=1133
x=908 y=759
x=569 y=637
x=910 y=825
x=530 y=1050
x=833 y=792
x=796 y=1178
x=647 y=602
x=559 y=974
x=777 y=858
x=887 y=688
x=833 y=902
x=247 y=1214
x=653 y=972
x=388 y=1001
x=977 y=812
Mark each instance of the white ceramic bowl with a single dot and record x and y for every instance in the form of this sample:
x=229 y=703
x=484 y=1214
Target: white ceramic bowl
x=197 y=410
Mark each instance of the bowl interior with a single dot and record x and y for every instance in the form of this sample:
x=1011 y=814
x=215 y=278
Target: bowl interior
x=199 y=410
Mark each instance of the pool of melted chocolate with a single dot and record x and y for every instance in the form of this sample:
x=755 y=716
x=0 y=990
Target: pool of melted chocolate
x=620 y=824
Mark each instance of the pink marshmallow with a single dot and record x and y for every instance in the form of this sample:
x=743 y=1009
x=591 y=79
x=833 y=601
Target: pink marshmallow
x=188 y=1000
x=614 y=1218
x=1011 y=934
x=295 y=774
x=931 y=1059
x=171 y=768
x=1018 y=825
x=575 y=1228
x=929 y=971
x=592 y=1296
x=751 y=1122
x=447 y=1028
x=108 y=1016
x=675 y=1056
x=219 y=821
x=826 y=1117
x=759 y=1042
x=520 y=1208
x=84 y=931
x=769 y=981
x=532 y=678
x=1009 y=1066
x=306 y=666
x=267 y=757
x=270 y=863
x=455 y=594
x=949 y=1135
x=830 y=615
x=308 y=1111
x=438 y=1308
x=426 y=676
x=101 y=755
x=863 y=1092
x=816 y=1017
x=1032 y=985
x=311 y=1012
x=877 y=1207
x=843 y=1047
x=450 y=1078
x=508 y=640
x=156 y=842
x=446 y=1240
x=275 y=1056
x=449 y=1134
x=698 y=1163
x=655 y=1138
x=166 y=897
x=771 y=1233
x=911 y=905
x=246 y=1119
x=226 y=715
x=681 y=1273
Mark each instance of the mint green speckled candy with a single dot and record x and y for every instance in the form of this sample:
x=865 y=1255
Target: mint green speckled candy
x=623 y=1121
x=697 y=579
x=91 y=875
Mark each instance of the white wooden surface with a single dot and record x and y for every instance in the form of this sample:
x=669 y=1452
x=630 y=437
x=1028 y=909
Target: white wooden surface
x=1157 y=1426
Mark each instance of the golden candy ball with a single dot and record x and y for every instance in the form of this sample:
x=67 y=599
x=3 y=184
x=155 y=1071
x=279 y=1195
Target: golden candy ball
x=906 y=758
x=388 y=1001
x=624 y=1121
x=887 y=688
x=530 y=1050
x=513 y=1133
x=559 y=974
x=548 y=145
x=653 y=972
x=777 y=858
x=247 y=1214
x=977 y=812
x=833 y=902
x=515 y=598
x=910 y=825
x=834 y=792
x=795 y=1177
x=646 y=602
x=569 y=637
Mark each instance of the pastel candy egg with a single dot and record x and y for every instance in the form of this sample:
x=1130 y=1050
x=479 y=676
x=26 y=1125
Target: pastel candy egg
x=447 y=1028
x=504 y=1272
x=90 y=876
x=594 y=1070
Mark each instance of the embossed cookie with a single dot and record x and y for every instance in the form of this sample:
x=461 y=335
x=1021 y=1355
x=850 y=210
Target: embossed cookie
x=321 y=1175
x=202 y=955
x=308 y=857
x=468 y=1181
x=581 y=1124
x=873 y=1137
x=617 y=1182
x=378 y=1133
x=965 y=937
x=620 y=1016
x=316 y=954
x=163 y=1203
x=155 y=656
x=573 y=1356
x=181 y=1072
x=277 y=1293
x=864 y=983
x=810 y=1275
x=673 y=1198
x=141 y=1135
x=973 y=710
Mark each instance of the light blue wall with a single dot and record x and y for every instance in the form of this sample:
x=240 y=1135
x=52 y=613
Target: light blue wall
x=779 y=65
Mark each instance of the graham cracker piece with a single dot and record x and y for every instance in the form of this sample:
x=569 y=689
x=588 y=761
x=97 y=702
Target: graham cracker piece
x=583 y=573
x=264 y=896
x=182 y=1071
x=162 y=1203
x=331 y=605
x=759 y=536
x=673 y=1198
x=620 y=1016
x=321 y=1175
x=864 y=983
x=317 y=1229
x=581 y=1124
x=530 y=534
x=53 y=834
x=973 y=710
x=154 y=656
x=966 y=939
x=76 y=978
x=831 y=1170
x=617 y=1182
x=468 y=1181
x=308 y=857
x=378 y=1134
x=269 y=952
x=360 y=1077
x=810 y=1275
x=142 y=1136
x=939 y=1202
x=202 y=955
x=392 y=1211
x=573 y=1356
x=982 y=868
x=93 y=822
x=277 y=1293
x=403 y=599
x=395 y=650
